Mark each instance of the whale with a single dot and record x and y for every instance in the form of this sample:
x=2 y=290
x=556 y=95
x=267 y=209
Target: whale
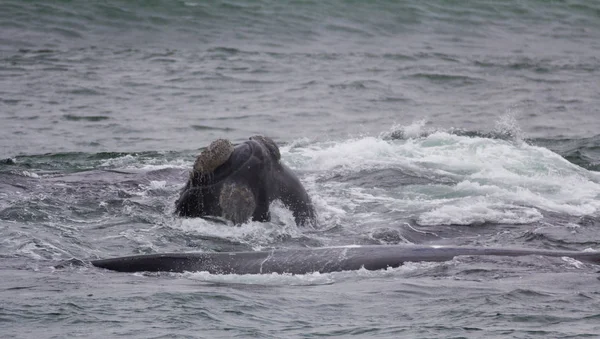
x=238 y=183
x=322 y=260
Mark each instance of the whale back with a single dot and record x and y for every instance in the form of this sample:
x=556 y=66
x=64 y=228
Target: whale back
x=325 y=259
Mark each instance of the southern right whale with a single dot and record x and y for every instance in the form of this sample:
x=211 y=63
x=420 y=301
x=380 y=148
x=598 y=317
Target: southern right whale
x=238 y=183
x=308 y=260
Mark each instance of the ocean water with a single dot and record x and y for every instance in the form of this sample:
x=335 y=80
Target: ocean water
x=436 y=123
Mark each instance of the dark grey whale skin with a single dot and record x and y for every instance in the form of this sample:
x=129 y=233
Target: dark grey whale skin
x=323 y=260
x=254 y=165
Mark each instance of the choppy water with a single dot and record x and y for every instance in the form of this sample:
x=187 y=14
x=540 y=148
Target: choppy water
x=465 y=123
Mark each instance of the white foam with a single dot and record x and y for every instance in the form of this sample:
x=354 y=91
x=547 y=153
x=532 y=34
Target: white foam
x=256 y=234
x=314 y=278
x=129 y=161
x=480 y=179
x=573 y=262
x=353 y=154
x=507 y=125
x=478 y=211
x=30 y=174
x=415 y=130
x=161 y=184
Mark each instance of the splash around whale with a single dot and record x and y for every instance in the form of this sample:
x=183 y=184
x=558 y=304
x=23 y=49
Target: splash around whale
x=308 y=260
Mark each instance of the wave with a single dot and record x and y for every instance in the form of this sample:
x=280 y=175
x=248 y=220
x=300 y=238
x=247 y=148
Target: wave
x=430 y=175
x=434 y=177
x=584 y=152
x=427 y=186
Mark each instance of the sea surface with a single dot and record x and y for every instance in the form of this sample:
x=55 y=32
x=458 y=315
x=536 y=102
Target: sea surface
x=440 y=122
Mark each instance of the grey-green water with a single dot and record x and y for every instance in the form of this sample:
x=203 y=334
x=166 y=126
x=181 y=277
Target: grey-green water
x=465 y=123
